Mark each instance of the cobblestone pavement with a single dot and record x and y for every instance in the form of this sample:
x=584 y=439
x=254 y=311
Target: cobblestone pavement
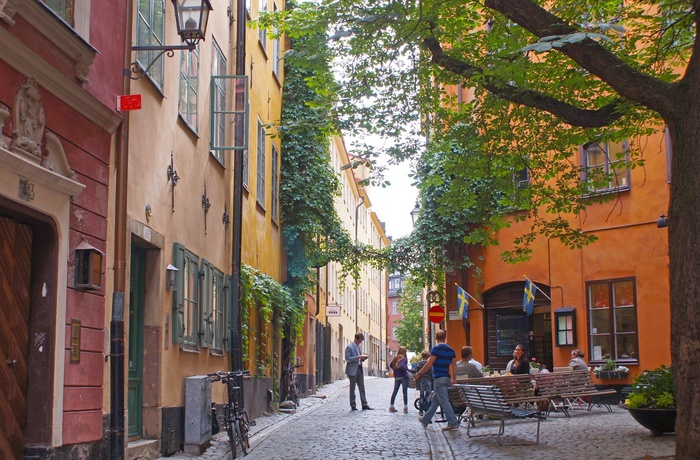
x=324 y=428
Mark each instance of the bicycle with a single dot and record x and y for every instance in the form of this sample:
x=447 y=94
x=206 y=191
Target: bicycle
x=291 y=389
x=236 y=419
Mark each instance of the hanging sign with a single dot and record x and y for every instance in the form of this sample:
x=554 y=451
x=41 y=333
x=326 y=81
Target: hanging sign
x=129 y=102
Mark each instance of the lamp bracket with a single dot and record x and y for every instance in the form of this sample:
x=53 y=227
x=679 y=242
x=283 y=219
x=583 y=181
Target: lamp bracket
x=172 y=178
x=137 y=72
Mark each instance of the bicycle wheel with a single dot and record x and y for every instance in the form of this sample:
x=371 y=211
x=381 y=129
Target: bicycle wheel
x=244 y=430
x=232 y=436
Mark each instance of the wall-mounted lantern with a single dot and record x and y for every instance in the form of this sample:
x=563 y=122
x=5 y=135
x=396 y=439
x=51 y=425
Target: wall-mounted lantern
x=171 y=277
x=565 y=322
x=88 y=266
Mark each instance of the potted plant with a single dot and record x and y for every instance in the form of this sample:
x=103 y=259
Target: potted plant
x=610 y=370
x=486 y=370
x=535 y=367
x=652 y=400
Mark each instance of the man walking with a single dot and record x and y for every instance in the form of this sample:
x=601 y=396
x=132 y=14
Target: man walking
x=353 y=369
x=443 y=362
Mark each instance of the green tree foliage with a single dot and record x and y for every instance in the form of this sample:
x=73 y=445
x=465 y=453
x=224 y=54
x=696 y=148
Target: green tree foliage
x=409 y=332
x=547 y=77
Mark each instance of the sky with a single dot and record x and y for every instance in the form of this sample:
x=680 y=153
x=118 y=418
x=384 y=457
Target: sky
x=394 y=203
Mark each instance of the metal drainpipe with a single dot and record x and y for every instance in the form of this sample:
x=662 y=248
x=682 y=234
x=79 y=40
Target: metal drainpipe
x=116 y=327
x=357 y=290
x=237 y=211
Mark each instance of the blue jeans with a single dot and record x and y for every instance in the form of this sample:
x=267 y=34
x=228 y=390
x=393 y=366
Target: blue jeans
x=441 y=398
x=397 y=383
x=425 y=386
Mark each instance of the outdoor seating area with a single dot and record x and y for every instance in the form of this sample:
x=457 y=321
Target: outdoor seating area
x=568 y=389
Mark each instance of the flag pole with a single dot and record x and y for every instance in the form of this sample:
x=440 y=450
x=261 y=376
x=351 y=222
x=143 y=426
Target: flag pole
x=539 y=289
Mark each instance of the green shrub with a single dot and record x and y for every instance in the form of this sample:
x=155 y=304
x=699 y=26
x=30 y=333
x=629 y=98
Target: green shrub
x=653 y=389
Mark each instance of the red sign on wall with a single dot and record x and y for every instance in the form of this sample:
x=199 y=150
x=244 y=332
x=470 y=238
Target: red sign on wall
x=436 y=313
x=129 y=102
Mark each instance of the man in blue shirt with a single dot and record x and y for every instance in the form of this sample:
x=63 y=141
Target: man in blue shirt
x=443 y=361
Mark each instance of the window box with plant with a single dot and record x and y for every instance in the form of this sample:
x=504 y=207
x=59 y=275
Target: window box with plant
x=652 y=400
x=610 y=370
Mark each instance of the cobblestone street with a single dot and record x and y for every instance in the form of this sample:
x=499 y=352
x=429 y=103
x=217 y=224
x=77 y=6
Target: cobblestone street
x=325 y=428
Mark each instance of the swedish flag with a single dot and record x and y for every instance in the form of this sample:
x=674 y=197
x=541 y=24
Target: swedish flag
x=529 y=296
x=462 y=302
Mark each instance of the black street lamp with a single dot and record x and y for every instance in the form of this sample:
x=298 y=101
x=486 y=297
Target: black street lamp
x=191 y=18
x=415 y=212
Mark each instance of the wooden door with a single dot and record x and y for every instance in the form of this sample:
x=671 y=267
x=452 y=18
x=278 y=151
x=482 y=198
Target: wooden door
x=15 y=272
x=135 y=351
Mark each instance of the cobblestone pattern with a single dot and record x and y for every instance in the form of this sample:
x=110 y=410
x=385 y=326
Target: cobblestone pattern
x=324 y=428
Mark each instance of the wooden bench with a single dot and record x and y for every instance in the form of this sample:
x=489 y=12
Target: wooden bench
x=568 y=388
x=458 y=403
x=516 y=389
x=489 y=401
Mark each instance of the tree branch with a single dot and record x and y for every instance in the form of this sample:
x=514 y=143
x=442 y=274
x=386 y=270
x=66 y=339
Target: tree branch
x=566 y=112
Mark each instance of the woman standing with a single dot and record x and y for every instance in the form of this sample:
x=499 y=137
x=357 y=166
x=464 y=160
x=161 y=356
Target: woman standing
x=400 y=366
x=519 y=364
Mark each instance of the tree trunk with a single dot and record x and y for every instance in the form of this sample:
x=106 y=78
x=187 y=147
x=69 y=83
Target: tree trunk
x=684 y=253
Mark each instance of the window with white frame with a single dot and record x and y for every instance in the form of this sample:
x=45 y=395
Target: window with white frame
x=262 y=33
x=394 y=307
x=260 y=188
x=276 y=53
x=393 y=332
x=612 y=320
x=218 y=97
x=150 y=31
x=189 y=80
x=604 y=166
x=274 y=189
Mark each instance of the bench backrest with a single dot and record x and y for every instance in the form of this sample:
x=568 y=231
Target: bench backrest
x=485 y=399
x=511 y=386
x=561 y=383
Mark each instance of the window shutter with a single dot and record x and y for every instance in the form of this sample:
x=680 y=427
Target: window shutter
x=228 y=312
x=205 y=300
x=178 y=295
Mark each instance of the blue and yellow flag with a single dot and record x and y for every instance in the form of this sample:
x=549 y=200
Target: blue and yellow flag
x=462 y=302
x=529 y=296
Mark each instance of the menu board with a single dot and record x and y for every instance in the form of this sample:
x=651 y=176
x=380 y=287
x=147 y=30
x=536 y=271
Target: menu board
x=510 y=331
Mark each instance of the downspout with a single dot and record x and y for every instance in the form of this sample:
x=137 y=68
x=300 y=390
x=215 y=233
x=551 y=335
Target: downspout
x=357 y=290
x=237 y=211
x=116 y=327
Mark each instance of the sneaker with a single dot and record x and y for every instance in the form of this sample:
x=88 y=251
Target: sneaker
x=451 y=428
x=392 y=409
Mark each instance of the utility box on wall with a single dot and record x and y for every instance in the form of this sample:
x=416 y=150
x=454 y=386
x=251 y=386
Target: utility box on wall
x=197 y=414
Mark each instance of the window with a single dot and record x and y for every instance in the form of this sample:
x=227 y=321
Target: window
x=63 y=8
x=565 y=326
x=605 y=166
x=393 y=332
x=188 y=101
x=185 y=302
x=261 y=165
x=276 y=54
x=150 y=32
x=274 y=191
x=212 y=307
x=218 y=98
x=262 y=33
x=613 y=320
x=394 y=307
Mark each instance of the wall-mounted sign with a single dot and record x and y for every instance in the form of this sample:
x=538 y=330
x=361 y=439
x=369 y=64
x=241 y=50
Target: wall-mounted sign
x=453 y=315
x=333 y=310
x=129 y=102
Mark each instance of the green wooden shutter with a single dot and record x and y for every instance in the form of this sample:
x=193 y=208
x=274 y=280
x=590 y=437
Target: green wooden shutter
x=178 y=295
x=205 y=300
x=228 y=312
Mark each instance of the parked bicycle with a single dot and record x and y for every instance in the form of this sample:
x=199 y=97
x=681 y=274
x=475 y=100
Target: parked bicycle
x=236 y=421
x=291 y=388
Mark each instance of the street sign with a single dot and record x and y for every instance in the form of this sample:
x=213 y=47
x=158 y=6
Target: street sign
x=332 y=310
x=453 y=315
x=129 y=102
x=436 y=313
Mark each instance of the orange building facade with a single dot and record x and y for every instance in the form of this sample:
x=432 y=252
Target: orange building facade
x=609 y=299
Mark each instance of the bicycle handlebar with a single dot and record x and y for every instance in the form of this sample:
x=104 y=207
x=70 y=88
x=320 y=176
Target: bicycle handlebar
x=226 y=375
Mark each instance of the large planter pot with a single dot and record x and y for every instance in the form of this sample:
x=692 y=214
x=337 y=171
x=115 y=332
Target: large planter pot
x=658 y=421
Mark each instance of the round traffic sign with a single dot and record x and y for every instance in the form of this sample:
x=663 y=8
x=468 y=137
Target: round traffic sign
x=436 y=313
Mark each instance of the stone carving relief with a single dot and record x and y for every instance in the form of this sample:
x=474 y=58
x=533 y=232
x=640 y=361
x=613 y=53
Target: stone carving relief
x=28 y=121
x=4 y=113
x=54 y=158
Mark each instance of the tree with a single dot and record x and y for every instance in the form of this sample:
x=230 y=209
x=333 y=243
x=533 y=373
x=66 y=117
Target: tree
x=546 y=76
x=409 y=332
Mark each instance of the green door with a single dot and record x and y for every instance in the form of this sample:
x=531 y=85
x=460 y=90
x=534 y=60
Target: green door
x=135 y=351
